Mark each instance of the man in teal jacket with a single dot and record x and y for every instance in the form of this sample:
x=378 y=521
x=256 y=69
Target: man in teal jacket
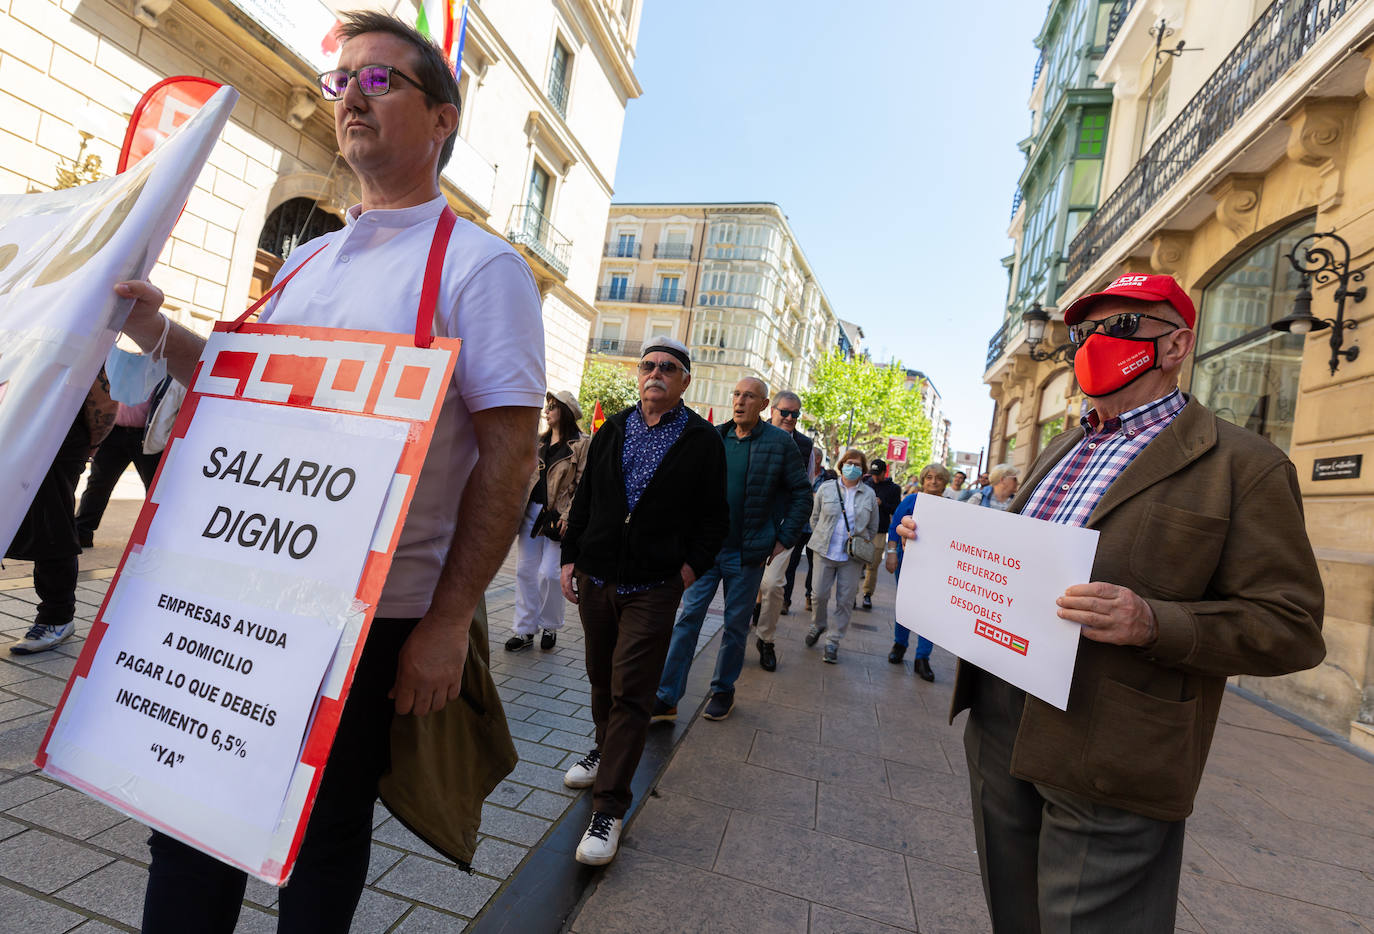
x=770 y=501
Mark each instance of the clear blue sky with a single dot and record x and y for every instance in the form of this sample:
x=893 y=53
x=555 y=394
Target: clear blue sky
x=887 y=132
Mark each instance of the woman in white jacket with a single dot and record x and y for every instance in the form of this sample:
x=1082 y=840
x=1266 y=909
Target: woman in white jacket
x=843 y=508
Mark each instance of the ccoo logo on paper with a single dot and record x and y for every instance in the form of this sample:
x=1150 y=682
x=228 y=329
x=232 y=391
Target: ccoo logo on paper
x=1001 y=637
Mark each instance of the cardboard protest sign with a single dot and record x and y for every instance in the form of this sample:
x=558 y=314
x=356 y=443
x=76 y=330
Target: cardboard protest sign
x=61 y=253
x=983 y=584
x=207 y=696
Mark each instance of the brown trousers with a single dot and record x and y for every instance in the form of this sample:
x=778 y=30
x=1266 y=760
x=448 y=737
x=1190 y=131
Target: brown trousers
x=627 y=638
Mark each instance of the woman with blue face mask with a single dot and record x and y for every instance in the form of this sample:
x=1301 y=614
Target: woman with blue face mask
x=842 y=509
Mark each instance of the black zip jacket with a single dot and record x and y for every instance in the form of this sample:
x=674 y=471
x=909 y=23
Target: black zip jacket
x=682 y=518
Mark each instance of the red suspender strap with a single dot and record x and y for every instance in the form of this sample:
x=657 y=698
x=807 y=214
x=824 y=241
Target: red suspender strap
x=434 y=271
x=429 y=291
x=238 y=322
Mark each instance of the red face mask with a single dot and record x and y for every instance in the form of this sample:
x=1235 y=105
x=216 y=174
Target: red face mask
x=1104 y=365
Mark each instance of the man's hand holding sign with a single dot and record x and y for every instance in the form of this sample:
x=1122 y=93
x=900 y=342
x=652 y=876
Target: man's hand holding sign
x=1104 y=612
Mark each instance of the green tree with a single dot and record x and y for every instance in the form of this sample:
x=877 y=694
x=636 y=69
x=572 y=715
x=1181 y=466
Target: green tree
x=610 y=385
x=855 y=397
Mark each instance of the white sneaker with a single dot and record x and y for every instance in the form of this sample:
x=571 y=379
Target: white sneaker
x=583 y=771
x=601 y=840
x=41 y=637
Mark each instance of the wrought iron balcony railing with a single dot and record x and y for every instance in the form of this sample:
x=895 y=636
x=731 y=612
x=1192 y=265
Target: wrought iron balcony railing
x=1117 y=18
x=529 y=228
x=614 y=347
x=558 y=93
x=643 y=295
x=1279 y=37
x=1009 y=329
x=672 y=251
x=623 y=250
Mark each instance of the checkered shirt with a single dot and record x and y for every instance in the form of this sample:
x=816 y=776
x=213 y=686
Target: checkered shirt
x=1072 y=489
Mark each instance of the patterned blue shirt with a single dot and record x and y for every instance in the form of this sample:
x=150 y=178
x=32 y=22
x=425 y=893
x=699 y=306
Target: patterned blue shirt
x=645 y=447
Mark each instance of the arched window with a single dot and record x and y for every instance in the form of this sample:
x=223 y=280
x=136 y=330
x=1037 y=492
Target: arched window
x=1245 y=372
x=295 y=222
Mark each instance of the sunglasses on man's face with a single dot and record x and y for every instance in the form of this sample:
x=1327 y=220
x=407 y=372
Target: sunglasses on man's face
x=1122 y=325
x=789 y=413
x=373 y=81
x=666 y=367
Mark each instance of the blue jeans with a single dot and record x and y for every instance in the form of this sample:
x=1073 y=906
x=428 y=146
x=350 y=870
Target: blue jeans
x=902 y=636
x=741 y=587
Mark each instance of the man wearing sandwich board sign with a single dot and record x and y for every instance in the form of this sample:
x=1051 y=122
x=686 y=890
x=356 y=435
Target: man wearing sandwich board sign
x=396 y=113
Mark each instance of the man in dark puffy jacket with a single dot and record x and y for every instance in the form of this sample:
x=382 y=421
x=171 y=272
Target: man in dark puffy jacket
x=770 y=500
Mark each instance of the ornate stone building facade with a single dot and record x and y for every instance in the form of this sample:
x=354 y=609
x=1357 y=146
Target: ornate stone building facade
x=729 y=280
x=544 y=84
x=1218 y=163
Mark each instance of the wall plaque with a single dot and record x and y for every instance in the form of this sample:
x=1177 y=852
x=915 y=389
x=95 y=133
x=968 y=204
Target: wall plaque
x=1343 y=467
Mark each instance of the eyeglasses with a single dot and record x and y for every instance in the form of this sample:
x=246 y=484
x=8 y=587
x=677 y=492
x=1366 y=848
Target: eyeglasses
x=789 y=413
x=667 y=367
x=1122 y=325
x=373 y=81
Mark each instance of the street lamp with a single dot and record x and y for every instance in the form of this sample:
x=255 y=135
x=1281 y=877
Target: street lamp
x=1320 y=263
x=1036 y=318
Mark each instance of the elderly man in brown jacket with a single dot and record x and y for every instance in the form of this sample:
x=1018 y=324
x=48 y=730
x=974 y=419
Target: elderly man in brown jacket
x=1203 y=570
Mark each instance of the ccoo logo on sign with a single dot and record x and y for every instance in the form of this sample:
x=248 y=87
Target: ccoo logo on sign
x=1003 y=638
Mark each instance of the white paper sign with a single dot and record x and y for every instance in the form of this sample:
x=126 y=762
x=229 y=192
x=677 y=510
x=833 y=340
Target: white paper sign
x=983 y=583
x=224 y=621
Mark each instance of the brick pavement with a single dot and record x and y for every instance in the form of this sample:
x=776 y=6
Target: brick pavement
x=68 y=863
x=835 y=799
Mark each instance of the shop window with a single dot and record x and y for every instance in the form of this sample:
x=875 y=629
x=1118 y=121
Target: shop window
x=1245 y=372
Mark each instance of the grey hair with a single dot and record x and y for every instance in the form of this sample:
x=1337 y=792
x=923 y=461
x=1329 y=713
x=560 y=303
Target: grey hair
x=1001 y=471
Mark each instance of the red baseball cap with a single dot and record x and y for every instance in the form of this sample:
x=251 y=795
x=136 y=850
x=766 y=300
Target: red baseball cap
x=1143 y=288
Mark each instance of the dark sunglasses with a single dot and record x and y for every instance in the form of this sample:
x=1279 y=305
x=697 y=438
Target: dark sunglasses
x=373 y=81
x=1122 y=325
x=789 y=413
x=667 y=367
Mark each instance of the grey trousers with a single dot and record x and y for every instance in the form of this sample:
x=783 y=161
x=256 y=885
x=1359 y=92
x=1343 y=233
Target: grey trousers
x=844 y=577
x=1055 y=862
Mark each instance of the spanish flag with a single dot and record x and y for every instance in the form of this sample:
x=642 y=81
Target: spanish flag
x=445 y=22
x=598 y=418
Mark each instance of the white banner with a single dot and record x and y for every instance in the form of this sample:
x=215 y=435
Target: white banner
x=61 y=253
x=982 y=584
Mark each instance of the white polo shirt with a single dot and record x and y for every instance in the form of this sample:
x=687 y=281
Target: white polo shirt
x=369 y=277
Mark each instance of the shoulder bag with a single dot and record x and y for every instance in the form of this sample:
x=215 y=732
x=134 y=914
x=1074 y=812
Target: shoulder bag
x=856 y=546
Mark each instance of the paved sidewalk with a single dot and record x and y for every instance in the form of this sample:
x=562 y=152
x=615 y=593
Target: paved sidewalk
x=68 y=863
x=835 y=799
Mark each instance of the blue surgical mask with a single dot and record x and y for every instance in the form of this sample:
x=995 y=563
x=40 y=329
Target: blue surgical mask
x=134 y=376
x=851 y=471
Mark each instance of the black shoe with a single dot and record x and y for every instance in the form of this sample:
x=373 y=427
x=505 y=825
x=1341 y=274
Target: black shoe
x=662 y=713
x=519 y=643
x=786 y=607
x=768 y=657
x=922 y=668
x=813 y=634
x=897 y=653
x=868 y=601
x=719 y=706
x=548 y=639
